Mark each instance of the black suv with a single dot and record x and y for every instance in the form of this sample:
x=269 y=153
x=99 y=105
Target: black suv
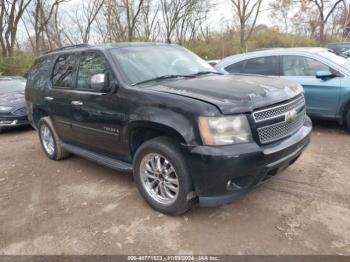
x=188 y=134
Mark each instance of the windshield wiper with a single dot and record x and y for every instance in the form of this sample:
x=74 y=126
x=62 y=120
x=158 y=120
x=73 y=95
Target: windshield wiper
x=162 y=78
x=206 y=73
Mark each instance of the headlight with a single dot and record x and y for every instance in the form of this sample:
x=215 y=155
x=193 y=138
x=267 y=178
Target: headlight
x=225 y=130
x=5 y=108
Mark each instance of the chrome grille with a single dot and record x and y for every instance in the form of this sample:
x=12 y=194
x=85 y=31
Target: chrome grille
x=280 y=110
x=280 y=130
x=277 y=125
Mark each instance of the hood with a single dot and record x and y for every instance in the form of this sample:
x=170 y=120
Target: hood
x=233 y=93
x=13 y=99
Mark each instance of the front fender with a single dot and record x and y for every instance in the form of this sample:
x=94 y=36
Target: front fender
x=176 y=123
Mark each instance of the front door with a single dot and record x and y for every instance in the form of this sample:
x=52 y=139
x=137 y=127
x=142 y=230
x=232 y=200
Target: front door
x=322 y=96
x=96 y=116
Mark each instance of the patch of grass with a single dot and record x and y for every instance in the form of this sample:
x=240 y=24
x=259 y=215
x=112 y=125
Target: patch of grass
x=19 y=64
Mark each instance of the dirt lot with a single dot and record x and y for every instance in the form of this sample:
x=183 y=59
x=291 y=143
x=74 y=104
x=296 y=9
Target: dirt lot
x=78 y=207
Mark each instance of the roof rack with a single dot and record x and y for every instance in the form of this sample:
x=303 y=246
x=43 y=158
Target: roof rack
x=67 y=48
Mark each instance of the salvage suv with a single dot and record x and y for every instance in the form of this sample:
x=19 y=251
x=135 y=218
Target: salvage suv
x=189 y=134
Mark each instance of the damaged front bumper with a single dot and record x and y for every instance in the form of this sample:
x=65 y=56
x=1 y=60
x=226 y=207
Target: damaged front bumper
x=222 y=174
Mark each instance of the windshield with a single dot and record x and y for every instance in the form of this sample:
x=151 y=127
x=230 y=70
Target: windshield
x=142 y=63
x=8 y=85
x=340 y=60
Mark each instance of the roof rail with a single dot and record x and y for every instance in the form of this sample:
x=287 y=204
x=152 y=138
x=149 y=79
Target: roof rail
x=67 y=47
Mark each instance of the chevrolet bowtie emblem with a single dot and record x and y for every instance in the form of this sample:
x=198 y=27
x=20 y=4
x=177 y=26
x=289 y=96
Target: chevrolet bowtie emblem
x=291 y=116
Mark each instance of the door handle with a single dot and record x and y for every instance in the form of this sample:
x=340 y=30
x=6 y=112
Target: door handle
x=77 y=103
x=49 y=98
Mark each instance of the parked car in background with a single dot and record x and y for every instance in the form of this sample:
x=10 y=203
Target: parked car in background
x=324 y=75
x=213 y=63
x=346 y=54
x=339 y=48
x=13 y=111
x=188 y=133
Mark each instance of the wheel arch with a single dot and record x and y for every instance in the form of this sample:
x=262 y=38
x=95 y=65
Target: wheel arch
x=343 y=111
x=142 y=131
x=38 y=113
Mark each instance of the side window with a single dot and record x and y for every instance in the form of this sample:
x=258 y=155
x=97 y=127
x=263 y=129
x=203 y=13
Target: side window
x=235 y=68
x=64 y=72
x=302 y=66
x=267 y=65
x=91 y=63
x=39 y=75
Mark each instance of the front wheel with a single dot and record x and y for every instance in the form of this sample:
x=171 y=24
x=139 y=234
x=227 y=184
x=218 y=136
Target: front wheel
x=161 y=175
x=347 y=120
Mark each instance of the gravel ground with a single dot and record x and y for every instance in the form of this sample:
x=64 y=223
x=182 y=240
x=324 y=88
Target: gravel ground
x=78 y=207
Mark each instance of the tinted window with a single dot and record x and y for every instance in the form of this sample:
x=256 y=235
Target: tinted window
x=63 y=72
x=262 y=66
x=302 y=66
x=235 y=68
x=91 y=63
x=39 y=75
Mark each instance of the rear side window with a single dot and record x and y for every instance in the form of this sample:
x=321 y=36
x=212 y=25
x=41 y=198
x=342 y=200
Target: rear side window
x=39 y=75
x=91 y=63
x=236 y=68
x=63 y=75
x=267 y=65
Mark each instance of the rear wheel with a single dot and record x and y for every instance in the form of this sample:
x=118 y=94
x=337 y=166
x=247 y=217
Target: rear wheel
x=162 y=177
x=50 y=141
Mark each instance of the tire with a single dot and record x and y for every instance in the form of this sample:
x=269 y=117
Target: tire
x=347 y=120
x=1 y=130
x=163 y=147
x=57 y=153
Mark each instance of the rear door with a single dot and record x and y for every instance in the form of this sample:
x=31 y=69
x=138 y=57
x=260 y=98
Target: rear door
x=322 y=96
x=97 y=117
x=58 y=98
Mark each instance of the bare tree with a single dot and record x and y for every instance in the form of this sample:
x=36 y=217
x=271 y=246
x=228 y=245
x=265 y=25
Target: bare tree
x=10 y=15
x=149 y=19
x=247 y=12
x=281 y=11
x=122 y=18
x=325 y=9
x=43 y=11
x=132 y=10
x=85 y=19
x=189 y=27
x=174 y=11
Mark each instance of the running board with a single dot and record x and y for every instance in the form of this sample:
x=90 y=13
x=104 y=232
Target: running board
x=100 y=159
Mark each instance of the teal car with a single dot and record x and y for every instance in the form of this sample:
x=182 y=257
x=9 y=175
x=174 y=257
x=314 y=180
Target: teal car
x=324 y=76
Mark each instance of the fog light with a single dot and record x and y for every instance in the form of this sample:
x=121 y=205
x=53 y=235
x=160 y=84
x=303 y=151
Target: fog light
x=14 y=122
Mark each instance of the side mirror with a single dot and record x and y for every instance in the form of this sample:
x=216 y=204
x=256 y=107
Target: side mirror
x=99 y=82
x=324 y=74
